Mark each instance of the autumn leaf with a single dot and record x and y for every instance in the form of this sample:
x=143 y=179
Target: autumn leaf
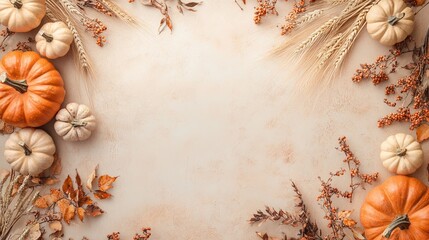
x=81 y=213
x=67 y=210
x=162 y=25
x=47 y=200
x=68 y=187
x=422 y=132
x=34 y=232
x=93 y=210
x=169 y=23
x=91 y=178
x=56 y=226
x=105 y=182
x=101 y=194
x=42 y=202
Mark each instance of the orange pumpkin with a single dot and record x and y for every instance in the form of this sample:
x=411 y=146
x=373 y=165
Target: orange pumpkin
x=397 y=209
x=31 y=89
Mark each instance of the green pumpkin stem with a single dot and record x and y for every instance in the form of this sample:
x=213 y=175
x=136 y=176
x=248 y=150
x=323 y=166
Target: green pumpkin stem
x=402 y=222
x=19 y=85
x=392 y=20
x=27 y=150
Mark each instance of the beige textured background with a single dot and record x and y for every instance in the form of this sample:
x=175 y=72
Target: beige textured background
x=201 y=128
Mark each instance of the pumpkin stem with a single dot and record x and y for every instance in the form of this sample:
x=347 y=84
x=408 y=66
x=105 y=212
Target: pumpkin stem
x=78 y=123
x=401 y=152
x=27 y=150
x=17 y=4
x=402 y=222
x=47 y=36
x=392 y=20
x=19 y=85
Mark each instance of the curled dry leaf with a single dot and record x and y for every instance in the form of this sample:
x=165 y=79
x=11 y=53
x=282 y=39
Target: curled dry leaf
x=105 y=182
x=6 y=128
x=34 y=233
x=101 y=194
x=91 y=178
x=93 y=210
x=56 y=226
x=422 y=132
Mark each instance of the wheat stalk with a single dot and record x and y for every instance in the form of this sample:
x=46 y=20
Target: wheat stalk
x=354 y=31
x=316 y=35
x=118 y=11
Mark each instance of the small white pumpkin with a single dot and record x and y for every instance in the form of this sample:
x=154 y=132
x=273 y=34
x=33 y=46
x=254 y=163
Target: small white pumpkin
x=29 y=151
x=390 y=21
x=22 y=15
x=75 y=122
x=401 y=154
x=53 y=40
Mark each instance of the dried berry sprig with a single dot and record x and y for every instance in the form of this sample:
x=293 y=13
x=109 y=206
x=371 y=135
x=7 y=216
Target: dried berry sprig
x=339 y=221
x=144 y=235
x=409 y=93
x=264 y=8
x=163 y=7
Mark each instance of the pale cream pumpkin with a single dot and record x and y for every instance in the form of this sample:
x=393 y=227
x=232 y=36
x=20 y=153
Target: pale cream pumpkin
x=401 y=154
x=22 y=15
x=390 y=21
x=75 y=122
x=29 y=151
x=53 y=40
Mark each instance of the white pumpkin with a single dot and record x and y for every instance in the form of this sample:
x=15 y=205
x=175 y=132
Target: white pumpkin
x=390 y=21
x=75 y=122
x=401 y=154
x=53 y=40
x=22 y=15
x=29 y=151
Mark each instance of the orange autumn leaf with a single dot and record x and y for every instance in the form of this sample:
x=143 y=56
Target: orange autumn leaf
x=101 y=194
x=93 y=210
x=68 y=187
x=67 y=210
x=105 y=182
x=41 y=202
x=81 y=213
x=56 y=195
x=422 y=132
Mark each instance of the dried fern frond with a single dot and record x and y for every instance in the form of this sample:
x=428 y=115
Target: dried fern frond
x=323 y=38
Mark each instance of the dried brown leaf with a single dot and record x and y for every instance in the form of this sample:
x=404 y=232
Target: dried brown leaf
x=42 y=202
x=81 y=213
x=68 y=187
x=93 y=210
x=67 y=210
x=422 y=132
x=105 y=182
x=91 y=178
x=101 y=194
x=56 y=226
x=34 y=233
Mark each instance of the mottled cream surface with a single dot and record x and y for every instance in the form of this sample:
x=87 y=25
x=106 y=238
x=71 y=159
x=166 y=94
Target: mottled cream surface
x=202 y=127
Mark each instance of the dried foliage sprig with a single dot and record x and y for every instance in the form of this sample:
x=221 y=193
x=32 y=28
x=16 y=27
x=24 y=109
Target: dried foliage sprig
x=409 y=94
x=339 y=221
x=144 y=235
x=163 y=7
